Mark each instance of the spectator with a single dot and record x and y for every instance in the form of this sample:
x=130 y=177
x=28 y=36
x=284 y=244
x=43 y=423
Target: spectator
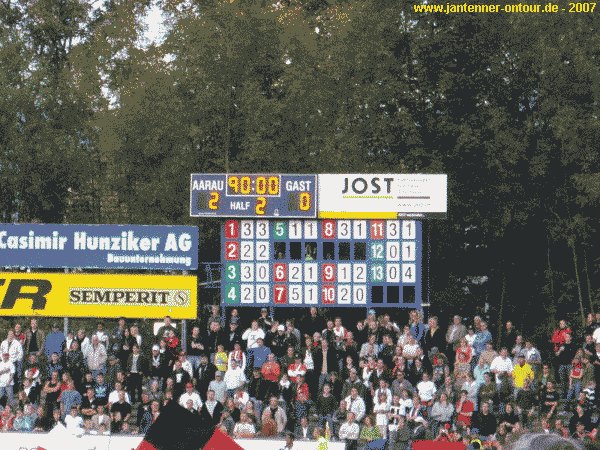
x=54 y=342
x=485 y=422
x=233 y=336
x=350 y=432
x=502 y=365
x=482 y=337
x=558 y=337
x=15 y=351
x=234 y=378
x=102 y=336
x=164 y=330
x=195 y=347
x=455 y=333
x=509 y=336
x=244 y=428
x=96 y=356
x=252 y=334
x=211 y=409
x=564 y=357
x=191 y=394
x=68 y=398
x=356 y=404
x=270 y=373
x=433 y=337
x=259 y=353
x=120 y=412
x=7 y=374
x=34 y=339
x=304 y=431
x=219 y=386
x=74 y=422
x=149 y=416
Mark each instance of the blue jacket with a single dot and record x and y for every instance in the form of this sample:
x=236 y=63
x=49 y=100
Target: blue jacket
x=260 y=355
x=54 y=343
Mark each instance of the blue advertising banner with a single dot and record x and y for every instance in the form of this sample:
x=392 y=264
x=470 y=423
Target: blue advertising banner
x=157 y=247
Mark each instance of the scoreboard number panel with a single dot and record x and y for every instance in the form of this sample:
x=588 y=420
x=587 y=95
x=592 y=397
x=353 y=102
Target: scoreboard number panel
x=333 y=263
x=253 y=195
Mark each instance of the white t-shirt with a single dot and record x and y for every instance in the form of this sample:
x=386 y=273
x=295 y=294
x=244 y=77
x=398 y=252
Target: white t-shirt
x=501 y=365
x=426 y=390
x=596 y=335
x=7 y=370
x=252 y=336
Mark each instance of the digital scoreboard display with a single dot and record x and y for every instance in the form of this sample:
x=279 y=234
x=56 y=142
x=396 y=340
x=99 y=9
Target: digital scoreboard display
x=326 y=263
x=253 y=195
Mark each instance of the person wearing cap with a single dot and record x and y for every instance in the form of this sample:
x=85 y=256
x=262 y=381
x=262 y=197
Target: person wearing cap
x=7 y=373
x=190 y=394
x=234 y=336
x=219 y=387
x=521 y=372
x=264 y=321
x=277 y=340
x=158 y=364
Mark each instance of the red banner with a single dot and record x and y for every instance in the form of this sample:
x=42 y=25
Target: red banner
x=221 y=441
x=432 y=445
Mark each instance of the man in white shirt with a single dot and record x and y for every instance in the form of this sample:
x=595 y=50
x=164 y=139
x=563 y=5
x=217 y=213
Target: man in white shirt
x=113 y=397
x=234 y=378
x=14 y=349
x=190 y=394
x=102 y=335
x=7 y=373
x=252 y=334
x=596 y=335
x=350 y=431
x=74 y=422
x=502 y=364
x=426 y=389
x=356 y=404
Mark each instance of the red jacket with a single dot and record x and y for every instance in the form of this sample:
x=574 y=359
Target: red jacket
x=558 y=338
x=270 y=371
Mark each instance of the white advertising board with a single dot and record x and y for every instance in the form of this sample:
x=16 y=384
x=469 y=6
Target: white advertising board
x=382 y=196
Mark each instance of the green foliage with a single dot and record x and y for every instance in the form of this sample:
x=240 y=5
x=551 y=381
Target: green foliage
x=95 y=127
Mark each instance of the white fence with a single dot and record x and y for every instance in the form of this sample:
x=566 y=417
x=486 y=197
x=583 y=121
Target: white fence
x=30 y=441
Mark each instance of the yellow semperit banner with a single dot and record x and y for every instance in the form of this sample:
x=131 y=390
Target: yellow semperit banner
x=85 y=295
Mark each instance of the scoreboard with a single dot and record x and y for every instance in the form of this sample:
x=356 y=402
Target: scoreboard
x=253 y=195
x=321 y=263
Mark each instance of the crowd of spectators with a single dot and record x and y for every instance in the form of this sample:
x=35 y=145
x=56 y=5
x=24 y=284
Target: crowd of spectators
x=376 y=379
